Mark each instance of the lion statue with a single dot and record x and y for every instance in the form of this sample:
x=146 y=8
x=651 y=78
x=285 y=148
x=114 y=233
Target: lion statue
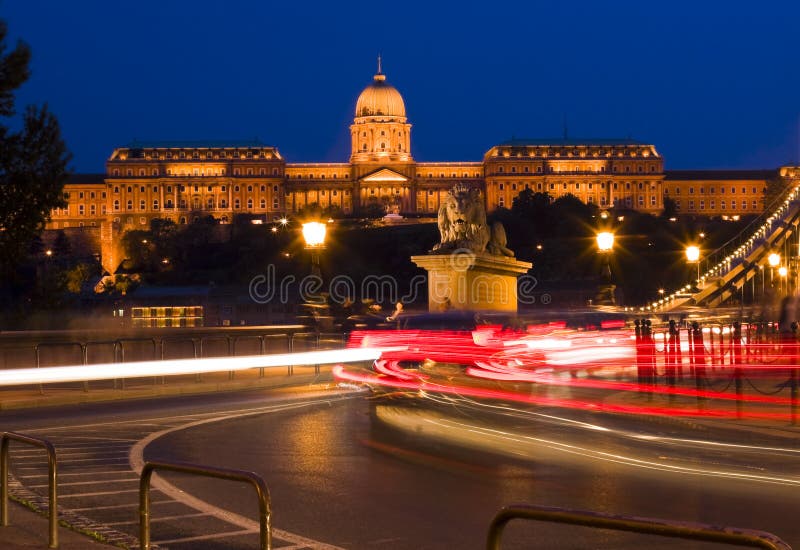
x=462 y=224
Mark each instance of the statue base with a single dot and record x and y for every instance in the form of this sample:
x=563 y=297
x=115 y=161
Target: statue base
x=468 y=281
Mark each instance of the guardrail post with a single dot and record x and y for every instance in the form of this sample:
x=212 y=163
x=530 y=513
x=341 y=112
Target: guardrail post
x=52 y=471
x=262 y=348
x=736 y=360
x=262 y=492
x=121 y=360
x=647 y=526
x=699 y=361
x=85 y=360
x=197 y=377
x=36 y=352
x=673 y=346
x=231 y=353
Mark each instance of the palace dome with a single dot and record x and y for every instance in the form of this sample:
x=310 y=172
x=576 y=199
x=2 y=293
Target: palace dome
x=380 y=99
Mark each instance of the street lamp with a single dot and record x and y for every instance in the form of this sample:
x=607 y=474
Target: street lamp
x=774 y=260
x=783 y=272
x=693 y=257
x=605 y=241
x=605 y=245
x=314 y=235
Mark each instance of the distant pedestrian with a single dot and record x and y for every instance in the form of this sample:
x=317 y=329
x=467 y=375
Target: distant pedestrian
x=398 y=309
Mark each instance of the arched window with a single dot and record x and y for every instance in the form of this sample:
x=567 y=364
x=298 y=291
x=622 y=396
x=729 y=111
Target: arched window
x=116 y=206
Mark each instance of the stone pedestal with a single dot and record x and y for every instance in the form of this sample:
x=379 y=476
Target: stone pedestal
x=467 y=281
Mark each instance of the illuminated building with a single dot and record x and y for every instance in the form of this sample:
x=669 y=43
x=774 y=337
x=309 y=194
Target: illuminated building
x=718 y=192
x=187 y=181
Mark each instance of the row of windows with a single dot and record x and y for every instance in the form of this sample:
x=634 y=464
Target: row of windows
x=577 y=186
x=312 y=176
x=552 y=169
x=195 y=172
x=210 y=204
x=82 y=194
x=323 y=192
x=154 y=155
x=712 y=205
x=382 y=147
x=81 y=210
x=455 y=175
x=182 y=189
x=558 y=151
x=711 y=190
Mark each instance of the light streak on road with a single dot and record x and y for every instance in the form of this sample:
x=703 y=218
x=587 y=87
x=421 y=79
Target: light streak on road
x=591 y=405
x=170 y=367
x=503 y=441
x=611 y=457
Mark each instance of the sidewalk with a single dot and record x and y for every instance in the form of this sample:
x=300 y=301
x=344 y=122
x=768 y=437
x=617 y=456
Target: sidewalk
x=28 y=529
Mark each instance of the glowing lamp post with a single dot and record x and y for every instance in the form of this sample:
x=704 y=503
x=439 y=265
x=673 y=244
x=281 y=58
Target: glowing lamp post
x=605 y=241
x=605 y=245
x=314 y=235
x=774 y=260
x=693 y=257
x=783 y=272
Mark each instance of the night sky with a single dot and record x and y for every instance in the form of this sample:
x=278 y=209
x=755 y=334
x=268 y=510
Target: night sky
x=711 y=84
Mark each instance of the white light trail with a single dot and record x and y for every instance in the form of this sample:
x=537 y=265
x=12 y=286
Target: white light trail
x=170 y=367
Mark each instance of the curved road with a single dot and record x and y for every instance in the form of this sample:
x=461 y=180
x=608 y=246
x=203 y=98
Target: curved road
x=349 y=471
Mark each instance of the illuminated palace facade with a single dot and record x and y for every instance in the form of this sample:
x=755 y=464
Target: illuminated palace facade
x=186 y=181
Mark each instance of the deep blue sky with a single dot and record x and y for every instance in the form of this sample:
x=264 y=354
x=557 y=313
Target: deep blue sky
x=711 y=84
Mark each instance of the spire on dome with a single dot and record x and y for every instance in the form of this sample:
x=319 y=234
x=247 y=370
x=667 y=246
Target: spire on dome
x=379 y=76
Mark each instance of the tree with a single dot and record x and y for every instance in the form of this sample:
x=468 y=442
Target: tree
x=373 y=210
x=62 y=248
x=33 y=162
x=670 y=208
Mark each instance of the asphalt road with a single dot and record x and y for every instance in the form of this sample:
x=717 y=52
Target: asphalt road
x=348 y=471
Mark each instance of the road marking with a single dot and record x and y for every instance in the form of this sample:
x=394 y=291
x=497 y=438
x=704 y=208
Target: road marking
x=104 y=493
x=156 y=519
x=119 y=506
x=137 y=463
x=208 y=537
x=106 y=472
x=97 y=482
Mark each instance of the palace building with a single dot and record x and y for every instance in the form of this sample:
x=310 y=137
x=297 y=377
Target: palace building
x=184 y=181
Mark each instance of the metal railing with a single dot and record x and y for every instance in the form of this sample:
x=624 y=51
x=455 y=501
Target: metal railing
x=200 y=345
x=647 y=526
x=52 y=469
x=262 y=491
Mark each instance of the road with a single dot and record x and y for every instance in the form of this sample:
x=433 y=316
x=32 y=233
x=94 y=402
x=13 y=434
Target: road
x=348 y=471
